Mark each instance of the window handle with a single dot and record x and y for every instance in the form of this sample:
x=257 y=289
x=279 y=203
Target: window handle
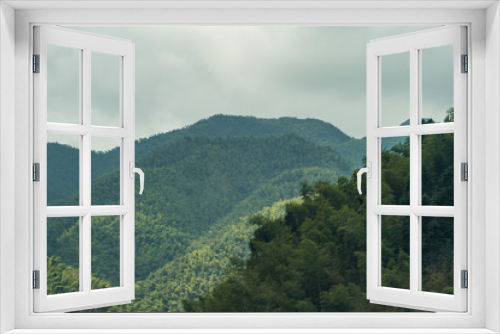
x=141 y=176
x=368 y=171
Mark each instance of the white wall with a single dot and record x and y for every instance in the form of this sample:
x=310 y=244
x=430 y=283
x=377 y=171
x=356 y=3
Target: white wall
x=492 y=150
x=23 y=155
x=7 y=160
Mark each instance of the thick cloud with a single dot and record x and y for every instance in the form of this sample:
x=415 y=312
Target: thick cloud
x=184 y=74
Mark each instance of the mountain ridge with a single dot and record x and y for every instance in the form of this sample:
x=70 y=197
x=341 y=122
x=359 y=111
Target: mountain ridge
x=192 y=182
x=63 y=158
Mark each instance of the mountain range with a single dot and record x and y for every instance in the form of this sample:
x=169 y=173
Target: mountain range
x=203 y=183
x=63 y=159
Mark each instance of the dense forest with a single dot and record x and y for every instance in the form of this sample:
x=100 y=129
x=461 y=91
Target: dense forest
x=314 y=258
x=63 y=159
x=261 y=217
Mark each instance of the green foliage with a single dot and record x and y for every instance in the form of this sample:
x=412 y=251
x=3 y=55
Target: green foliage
x=298 y=262
x=312 y=130
x=314 y=258
x=63 y=172
x=396 y=175
x=437 y=254
x=63 y=160
x=206 y=263
x=437 y=169
x=62 y=278
x=353 y=150
x=203 y=245
x=196 y=181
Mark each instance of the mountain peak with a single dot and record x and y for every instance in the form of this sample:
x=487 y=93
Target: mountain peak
x=313 y=130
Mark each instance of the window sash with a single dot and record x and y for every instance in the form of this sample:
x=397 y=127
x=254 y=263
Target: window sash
x=86 y=297
x=414 y=298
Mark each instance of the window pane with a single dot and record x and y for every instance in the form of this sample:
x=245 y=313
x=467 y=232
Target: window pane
x=437 y=254
x=437 y=170
x=395 y=89
x=395 y=164
x=396 y=251
x=437 y=84
x=105 y=89
x=63 y=255
x=63 y=84
x=106 y=171
x=105 y=252
x=63 y=170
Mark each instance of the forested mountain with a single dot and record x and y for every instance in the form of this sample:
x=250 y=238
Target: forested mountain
x=63 y=170
x=258 y=223
x=312 y=130
x=203 y=266
x=63 y=173
x=191 y=184
x=313 y=259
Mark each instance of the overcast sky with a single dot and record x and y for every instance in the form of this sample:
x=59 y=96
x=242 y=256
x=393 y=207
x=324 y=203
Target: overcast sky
x=184 y=74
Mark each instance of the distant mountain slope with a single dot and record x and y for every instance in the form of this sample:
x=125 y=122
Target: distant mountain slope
x=312 y=130
x=201 y=267
x=191 y=183
x=353 y=150
x=63 y=172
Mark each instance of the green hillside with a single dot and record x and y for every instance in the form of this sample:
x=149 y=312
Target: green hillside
x=312 y=130
x=200 y=269
x=314 y=258
x=204 y=243
x=191 y=183
x=63 y=171
x=63 y=278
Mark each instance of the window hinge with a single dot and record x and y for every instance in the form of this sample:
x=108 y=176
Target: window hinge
x=465 y=64
x=36 y=279
x=464 y=171
x=465 y=279
x=36 y=172
x=36 y=63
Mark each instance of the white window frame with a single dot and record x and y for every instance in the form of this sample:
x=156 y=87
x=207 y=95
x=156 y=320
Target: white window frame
x=16 y=124
x=413 y=44
x=123 y=50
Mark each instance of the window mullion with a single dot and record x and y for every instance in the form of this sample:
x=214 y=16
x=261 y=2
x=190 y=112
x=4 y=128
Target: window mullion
x=414 y=171
x=85 y=229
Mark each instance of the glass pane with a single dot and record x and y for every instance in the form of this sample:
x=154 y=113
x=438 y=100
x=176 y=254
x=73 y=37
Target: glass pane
x=437 y=84
x=105 y=252
x=105 y=171
x=63 y=169
x=437 y=254
x=63 y=254
x=395 y=89
x=105 y=89
x=63 y=84
x=437 y=170
x=395 y=164
x=396 y=251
